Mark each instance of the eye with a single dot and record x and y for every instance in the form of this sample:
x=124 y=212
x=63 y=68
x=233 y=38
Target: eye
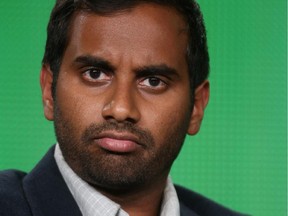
x=95 y=75
x=153 y=83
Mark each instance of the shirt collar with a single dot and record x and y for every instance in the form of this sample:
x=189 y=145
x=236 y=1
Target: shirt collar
x=93 y=203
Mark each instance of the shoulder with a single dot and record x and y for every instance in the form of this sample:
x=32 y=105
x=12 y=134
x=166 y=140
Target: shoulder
x=13 y=201
x=11 y=183
x=200 y=204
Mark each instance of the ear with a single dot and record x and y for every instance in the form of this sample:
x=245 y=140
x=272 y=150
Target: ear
x=201 y=98
x=46 y=79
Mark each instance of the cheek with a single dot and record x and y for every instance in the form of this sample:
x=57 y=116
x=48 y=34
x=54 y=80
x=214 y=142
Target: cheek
x=78 y=108
x=167 y=118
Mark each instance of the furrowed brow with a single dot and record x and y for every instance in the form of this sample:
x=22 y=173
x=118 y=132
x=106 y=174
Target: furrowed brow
x=95 y=61
x=157 y=70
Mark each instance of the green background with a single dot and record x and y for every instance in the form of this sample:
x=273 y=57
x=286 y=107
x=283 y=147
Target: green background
x=239 y=158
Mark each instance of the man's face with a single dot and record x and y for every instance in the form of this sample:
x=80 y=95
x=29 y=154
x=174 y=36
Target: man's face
x=123 y=106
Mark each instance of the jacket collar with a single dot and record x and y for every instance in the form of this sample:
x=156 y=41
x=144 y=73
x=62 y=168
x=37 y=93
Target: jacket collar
x=46 y=191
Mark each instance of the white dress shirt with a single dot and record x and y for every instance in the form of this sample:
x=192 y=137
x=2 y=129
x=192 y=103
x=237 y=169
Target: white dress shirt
x=93 y=203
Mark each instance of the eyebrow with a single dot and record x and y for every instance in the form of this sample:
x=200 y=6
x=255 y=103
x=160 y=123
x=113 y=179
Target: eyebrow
x=161 y=69
x=89 y=60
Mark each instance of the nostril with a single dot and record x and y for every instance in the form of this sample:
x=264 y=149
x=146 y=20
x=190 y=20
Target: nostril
x=131 y=120
x=108 y=118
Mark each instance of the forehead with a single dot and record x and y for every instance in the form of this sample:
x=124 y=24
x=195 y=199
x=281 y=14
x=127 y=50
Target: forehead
x=151 y=31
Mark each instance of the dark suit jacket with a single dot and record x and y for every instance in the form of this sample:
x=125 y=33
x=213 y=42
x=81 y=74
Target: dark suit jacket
x=43 y=192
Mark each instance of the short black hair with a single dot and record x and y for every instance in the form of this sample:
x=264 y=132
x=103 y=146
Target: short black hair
x=64 y=10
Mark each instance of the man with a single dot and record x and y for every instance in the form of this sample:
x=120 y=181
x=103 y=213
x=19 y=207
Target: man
x=124 y=82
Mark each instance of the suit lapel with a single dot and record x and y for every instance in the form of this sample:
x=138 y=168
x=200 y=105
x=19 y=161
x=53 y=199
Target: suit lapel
x=46 y=191
x=185 y=211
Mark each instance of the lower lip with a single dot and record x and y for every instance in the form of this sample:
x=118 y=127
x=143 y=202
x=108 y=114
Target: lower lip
x=117 y=146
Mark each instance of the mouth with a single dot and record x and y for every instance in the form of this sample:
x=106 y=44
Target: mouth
x=117 y=142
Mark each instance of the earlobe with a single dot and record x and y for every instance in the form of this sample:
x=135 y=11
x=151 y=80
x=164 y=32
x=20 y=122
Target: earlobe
x=46 y=79
x=201 y=99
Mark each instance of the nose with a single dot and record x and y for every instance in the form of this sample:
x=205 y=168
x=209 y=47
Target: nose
x=122 y=105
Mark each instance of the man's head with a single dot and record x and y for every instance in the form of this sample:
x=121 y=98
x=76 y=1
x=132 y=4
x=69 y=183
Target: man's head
x=122 y=101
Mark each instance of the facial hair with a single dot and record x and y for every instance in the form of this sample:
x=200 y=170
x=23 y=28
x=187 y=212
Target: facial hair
x=111 y=171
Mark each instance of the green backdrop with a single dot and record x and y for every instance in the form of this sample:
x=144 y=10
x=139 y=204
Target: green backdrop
x=239 y=158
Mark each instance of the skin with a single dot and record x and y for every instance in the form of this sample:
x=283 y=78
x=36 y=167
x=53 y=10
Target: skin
x=141 y=100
